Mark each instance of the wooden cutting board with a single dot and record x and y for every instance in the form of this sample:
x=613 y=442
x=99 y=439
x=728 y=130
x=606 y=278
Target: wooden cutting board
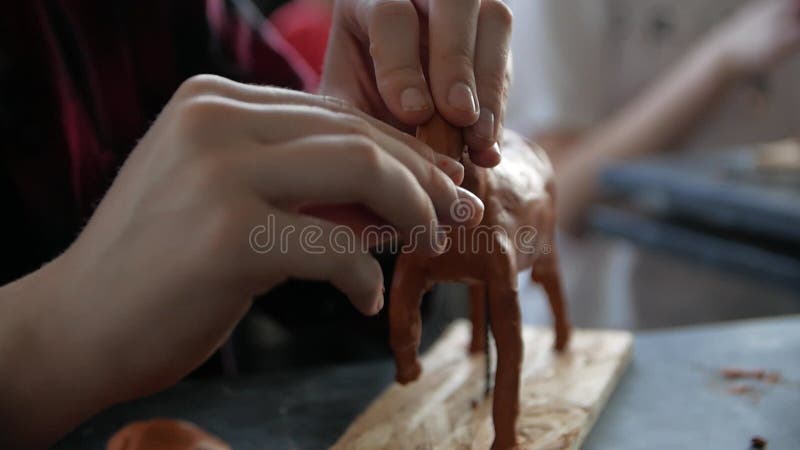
x=561 y=395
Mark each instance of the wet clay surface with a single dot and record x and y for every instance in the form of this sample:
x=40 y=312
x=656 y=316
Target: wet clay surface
x=516 y=233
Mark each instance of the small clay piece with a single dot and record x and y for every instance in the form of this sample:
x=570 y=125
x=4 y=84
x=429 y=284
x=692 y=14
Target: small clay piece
x=516 y=233
x=741 y=389
x=758 y=443
x=164 y=434
x=753 y=374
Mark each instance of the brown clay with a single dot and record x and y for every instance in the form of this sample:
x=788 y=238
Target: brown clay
x=518 y=196
x=754 y=374
x=758 y=443
x=164 y=434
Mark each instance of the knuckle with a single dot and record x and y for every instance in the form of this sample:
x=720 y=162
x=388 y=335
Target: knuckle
x=498 y=12
x=471 y=5
x=388 y=75
x=200 y=112
x=439 y=183
x=354 y=125
x=420 y=198
x=384 y=10
x=338 y=104
x=437 y=179
x=459 y=58
x=494 y=85
x=197 y=85
x=370 y=160
x=424 y=151
x=367 y=155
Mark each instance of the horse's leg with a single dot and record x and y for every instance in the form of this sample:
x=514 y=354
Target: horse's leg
x=408 y=286
x=506 y=324
x=477 y=306
x=545 y=271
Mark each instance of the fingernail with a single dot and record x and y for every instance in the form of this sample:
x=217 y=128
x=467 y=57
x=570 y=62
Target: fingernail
x=494 y=150
x=484 y=128
x=449 y=166
x=461 y=98
x=412 y=99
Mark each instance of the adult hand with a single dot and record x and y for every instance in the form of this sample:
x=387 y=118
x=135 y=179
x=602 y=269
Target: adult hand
x=379 y=51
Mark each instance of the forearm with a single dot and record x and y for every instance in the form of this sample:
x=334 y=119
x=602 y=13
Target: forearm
x=656 y=119
x=47 y=386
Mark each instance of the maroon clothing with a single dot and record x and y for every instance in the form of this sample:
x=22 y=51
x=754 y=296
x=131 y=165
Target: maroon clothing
x=80 y=82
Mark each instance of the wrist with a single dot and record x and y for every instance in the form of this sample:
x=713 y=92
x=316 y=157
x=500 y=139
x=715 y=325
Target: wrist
x=22 y=376
x=44 y=382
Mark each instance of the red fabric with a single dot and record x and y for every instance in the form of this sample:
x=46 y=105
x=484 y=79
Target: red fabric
x=80 y=82
x=305 y=24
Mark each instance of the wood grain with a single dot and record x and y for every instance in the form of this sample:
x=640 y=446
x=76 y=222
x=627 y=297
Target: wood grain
x=561 y=395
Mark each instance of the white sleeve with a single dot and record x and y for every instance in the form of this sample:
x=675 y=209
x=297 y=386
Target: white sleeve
x=558 y=49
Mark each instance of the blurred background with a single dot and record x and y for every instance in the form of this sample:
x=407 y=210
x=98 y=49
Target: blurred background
x=684 y=115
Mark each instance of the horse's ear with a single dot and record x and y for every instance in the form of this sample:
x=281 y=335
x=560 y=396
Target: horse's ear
x=442 y=137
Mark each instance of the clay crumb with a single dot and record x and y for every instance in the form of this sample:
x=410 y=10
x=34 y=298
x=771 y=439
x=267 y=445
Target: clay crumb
x=741 y=389
x=758 y=443
x=752 y=374
x=772 y=377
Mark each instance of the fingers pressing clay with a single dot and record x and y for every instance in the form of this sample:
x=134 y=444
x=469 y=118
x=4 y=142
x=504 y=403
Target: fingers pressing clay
x=312 y=252
x=453 y=23
x=335 y=169
x=393 y=30
x=492 y=78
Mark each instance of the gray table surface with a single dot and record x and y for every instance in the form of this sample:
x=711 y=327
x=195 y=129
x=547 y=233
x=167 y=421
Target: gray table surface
x=671 y=397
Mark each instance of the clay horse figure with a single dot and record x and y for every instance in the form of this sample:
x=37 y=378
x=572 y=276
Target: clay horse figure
x=516 y=233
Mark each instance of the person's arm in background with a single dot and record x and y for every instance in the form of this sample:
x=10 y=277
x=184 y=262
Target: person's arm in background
x=759 y=35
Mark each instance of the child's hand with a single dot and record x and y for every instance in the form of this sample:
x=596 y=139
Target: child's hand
x=379 y=48
x=759 y=35
x=180 y=244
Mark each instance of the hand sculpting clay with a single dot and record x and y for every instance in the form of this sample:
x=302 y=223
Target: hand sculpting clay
x=516 y=233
